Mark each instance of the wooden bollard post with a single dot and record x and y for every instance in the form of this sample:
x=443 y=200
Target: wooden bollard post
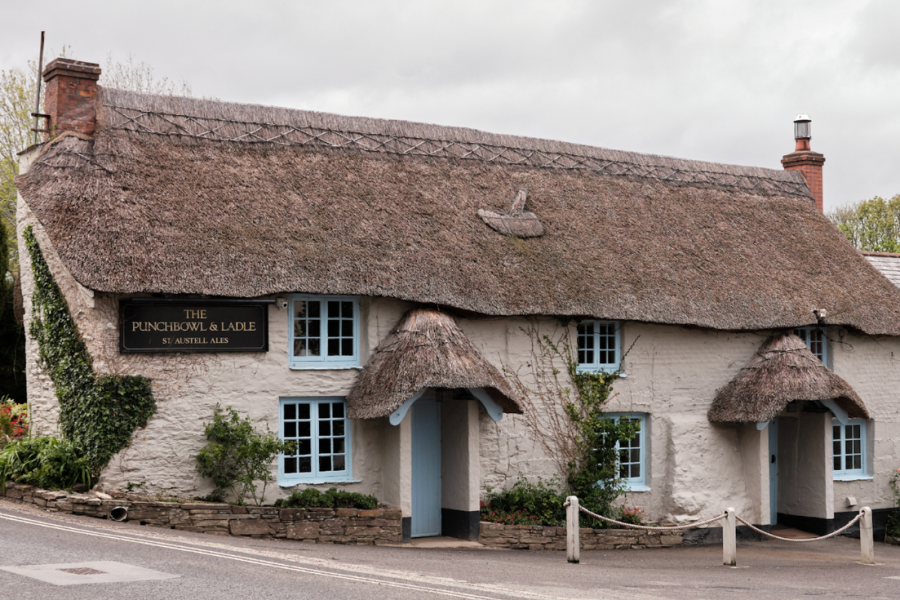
x=573 y=545
x=729 y=539
x=866 y=538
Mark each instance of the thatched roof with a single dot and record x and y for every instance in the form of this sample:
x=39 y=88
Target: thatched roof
x=179 y=196
x=425 y=350
x=781 y=371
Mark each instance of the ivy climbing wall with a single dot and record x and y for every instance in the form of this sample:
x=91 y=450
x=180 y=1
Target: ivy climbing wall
x=97 y=411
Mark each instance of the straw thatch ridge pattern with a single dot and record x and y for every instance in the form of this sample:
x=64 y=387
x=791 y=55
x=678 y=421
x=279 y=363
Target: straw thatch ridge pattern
x=247 y=123
x=132 y=212
x=426 y=349
x=781 y=371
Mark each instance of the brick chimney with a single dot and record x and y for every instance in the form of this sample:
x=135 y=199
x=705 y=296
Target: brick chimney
x=805 y=160
x=71 y=98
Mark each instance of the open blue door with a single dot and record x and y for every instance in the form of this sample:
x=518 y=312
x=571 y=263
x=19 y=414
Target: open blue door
x=426 y=468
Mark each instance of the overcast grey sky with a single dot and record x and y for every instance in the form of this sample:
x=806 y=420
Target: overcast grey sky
x=709 y=80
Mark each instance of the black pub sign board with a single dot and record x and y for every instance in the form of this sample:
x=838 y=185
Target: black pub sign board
x=168 y=325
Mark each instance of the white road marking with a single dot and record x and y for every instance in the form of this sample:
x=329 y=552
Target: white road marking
x=260 y=562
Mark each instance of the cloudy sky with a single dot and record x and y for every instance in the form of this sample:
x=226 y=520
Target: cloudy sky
x=709 y=80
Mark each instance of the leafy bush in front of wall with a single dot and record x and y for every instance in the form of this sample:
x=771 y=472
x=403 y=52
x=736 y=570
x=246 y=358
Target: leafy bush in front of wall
x=99 y=413
x=542 y=501
x=519 y=517
x=236 y=456
x=892 y=528
x=45 y=462
x=13 y=421
x=331 y=498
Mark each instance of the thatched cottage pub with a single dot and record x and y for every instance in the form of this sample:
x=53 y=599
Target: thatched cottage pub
x=373 y=289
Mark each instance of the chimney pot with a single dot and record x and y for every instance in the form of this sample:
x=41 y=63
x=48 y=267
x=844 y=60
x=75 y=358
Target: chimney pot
x=806 y=161
x=71 y=97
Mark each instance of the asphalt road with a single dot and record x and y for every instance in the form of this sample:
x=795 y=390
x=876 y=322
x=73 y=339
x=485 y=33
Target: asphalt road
x=224 y=567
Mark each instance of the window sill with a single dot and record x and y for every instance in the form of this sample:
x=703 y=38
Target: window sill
x=853 y=478
x=317 y=481
x=638 y=487
x=596 y=369
x=323 y=366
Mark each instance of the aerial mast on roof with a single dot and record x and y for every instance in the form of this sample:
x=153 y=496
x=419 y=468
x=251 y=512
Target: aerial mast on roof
x=37 y=98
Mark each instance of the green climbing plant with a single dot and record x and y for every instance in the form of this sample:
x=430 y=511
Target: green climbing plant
x=570 y=422
x=98 y=413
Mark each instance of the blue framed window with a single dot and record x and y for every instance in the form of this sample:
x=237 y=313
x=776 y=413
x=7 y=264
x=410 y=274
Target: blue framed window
x=599 y=346
x=815 y=340
x=320 y=432
x=633 y=453
x=848 y=444
x=324 y=332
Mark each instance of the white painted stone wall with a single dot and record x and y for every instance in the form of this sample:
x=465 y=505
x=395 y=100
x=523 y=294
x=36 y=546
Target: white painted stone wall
x=872 y=366
x=460 y=464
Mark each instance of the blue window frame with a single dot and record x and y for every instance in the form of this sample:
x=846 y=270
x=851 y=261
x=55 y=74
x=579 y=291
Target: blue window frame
x=849 y=449
x=324 y=332
x=633 y=453
x=320 y=432
x=599 y=346
x=815 y=340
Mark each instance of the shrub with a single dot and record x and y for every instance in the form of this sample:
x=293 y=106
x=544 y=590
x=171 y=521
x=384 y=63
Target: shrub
x=331 y=498
x=13 y=421
x=542 y=501
x=45 y=462
x=236 y=456
x=634 y=516
x=893 y=523
x=519 y=517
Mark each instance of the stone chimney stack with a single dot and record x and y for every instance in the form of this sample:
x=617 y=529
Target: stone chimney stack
x=805 y=160
x=72 y=94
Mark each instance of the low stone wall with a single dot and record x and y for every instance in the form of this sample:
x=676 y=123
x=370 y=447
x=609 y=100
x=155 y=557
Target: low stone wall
x=320 y=525
x=537 y=537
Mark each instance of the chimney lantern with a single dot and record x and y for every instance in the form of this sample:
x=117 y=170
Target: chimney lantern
x=802 y=127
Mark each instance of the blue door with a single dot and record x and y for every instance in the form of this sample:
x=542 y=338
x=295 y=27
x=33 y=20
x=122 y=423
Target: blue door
x=426 y=468
x=773 y=470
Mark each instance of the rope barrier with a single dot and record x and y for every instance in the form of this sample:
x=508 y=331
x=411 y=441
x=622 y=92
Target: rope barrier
x=816 y=539
x=649 y=528
x=729 y=533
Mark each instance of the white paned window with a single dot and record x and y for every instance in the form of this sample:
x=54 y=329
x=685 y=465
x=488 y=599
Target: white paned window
x=814 y=338
x=320 y=436
x=848 y=444
x=324 y=332
x=633 y=453
x=599 y=346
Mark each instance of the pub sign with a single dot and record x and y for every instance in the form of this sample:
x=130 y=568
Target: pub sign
x=164 y=325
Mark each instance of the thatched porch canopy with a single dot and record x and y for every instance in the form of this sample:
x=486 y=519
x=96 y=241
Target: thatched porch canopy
x=425 y=350
x=180 y=196
x=781 y=371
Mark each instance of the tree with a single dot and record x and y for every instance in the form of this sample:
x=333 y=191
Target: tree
x=871 y=225
x=12 y=333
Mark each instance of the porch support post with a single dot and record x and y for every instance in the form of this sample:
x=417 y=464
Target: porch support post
x=573 y=544
x=866 y=538
x=729 y=539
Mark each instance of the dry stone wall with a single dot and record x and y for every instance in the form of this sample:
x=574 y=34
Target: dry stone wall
x=538 y=537
x=320 y=525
